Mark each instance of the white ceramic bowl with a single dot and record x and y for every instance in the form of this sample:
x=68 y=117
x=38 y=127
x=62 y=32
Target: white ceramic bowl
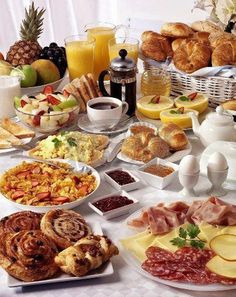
x=70 y=205
x=157 y=181
x=38 y=89
x=117 y=211
x=127 y=187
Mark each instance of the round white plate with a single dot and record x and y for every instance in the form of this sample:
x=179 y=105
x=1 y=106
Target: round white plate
x=132 y=261
x=158 y=123
x=176 y=156
x=86 y=125
x=11 y=149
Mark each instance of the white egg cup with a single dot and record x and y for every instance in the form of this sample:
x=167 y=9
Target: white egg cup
x=188 y=181
x=217 y=178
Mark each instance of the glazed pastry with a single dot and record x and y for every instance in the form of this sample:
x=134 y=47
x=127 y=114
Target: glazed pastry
x=176 y=30
x=192 y=56
x=87 y=254
x=144 y=147
x=224 y=54
x=28 y=255
x=174 y=136
x=64 y=227
x=22 y=220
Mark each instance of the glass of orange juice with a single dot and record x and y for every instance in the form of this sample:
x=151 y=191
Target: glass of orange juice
x=79 y=55
x=128 y=43
x=102 y=32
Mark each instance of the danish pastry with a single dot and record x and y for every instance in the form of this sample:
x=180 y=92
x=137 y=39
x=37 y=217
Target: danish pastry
x=144 y=147
x=192 y=56
x=22 y=220
x=87 y=254
x=176 y=30
x=64 y=227
x=28 y=255
x=224 y=54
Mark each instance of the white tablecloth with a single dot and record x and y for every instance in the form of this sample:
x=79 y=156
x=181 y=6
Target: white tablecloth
x=125 y=281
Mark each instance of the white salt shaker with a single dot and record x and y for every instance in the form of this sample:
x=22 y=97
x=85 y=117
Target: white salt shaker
x=217 y=171
x=189 y=170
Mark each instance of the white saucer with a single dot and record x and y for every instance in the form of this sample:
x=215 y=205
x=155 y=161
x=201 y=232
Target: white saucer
x=86 y=125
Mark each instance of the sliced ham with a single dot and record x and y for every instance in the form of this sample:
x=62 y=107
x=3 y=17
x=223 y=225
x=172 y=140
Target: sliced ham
x=161 y=219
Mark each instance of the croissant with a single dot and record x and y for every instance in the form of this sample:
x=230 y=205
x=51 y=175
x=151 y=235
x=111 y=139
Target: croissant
x=144 y=147
x=174 y=136
x=176 y=30
x=87 y=254
x=224 y=54
x=206 y=26
x=220 y=37
x=192 y=56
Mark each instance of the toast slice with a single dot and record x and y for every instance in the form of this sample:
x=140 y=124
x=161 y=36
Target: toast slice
x=7 y=139
x=15 y=129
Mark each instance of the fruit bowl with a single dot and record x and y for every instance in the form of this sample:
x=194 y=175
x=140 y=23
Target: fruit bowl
x=38 y=89
x=49 y=123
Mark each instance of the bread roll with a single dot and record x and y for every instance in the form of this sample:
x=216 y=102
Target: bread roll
x=174 y=136
x=176 y=30
x=224 y=54
x=205 y=26
x=192 y=56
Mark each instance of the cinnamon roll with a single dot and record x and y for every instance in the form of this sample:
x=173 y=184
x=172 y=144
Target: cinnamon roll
x=28 y=255
x=22 y=220
x=64 y=227
x=87 y=254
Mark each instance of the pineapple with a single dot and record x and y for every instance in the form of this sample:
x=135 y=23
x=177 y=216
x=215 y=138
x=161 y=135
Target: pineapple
x=27 y=50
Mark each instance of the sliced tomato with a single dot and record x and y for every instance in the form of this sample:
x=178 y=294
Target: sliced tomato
x=66 y=93
x=48 y=90
x=53 y=100
x=23 y=103
x=192 y=96
x=17 y=194
x=36 y=118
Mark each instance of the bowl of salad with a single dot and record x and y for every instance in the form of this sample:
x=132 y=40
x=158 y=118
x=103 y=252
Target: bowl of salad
x=47 y=111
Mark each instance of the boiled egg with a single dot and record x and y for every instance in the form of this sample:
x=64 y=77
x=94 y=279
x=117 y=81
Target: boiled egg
x=189 y=165
x=217 y=162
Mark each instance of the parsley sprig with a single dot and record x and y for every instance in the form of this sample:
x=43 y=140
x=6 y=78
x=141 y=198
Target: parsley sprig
x=71 y=141
x=56 y=142
x=189 y=236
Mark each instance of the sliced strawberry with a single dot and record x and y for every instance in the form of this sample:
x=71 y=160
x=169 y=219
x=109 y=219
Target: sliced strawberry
x=23 y=103
x=61 y=199
x=155 y=99
x=53 y=100
x=17 y=194
x=43 y=195
x=48 y=90
x=36 y=118
x=192 y=96
x=66 y=93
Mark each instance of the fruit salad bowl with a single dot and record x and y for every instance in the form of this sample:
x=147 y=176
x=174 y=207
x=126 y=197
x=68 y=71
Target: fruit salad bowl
x=47 y=112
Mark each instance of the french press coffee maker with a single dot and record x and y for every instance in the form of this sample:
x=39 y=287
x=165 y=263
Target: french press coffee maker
x=122 y=73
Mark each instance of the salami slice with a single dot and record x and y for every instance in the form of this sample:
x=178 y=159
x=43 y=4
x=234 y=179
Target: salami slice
x=158 y=254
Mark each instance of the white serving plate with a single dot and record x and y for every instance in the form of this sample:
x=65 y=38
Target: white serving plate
x=157 y=181
x=127 y=187
x=132 y=261
x=176 y=156
x=105 y=270
x=117 y=211
x=70 y=205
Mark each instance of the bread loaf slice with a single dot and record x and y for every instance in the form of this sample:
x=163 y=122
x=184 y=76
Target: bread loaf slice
x=7 y=139
x=16 y=130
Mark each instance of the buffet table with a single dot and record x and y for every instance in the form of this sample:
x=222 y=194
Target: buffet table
x=124 y=281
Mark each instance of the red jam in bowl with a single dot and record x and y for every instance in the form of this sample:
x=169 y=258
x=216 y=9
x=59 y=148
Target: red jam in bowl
x=121 y=177
x=112 y=202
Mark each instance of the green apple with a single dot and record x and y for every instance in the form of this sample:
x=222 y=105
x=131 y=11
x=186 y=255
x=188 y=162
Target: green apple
x=27 y=73
x=17 y=101
x=5 y=68
x=68 y=103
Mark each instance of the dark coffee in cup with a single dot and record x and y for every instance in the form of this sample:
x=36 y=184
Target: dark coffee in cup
x=104 y=105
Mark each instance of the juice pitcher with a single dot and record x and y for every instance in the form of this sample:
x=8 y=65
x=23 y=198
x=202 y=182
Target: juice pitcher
x=122 y=73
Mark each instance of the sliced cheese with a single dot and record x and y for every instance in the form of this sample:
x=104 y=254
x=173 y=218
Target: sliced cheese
x=222 y=267
x=208 y=232
x=224 y=246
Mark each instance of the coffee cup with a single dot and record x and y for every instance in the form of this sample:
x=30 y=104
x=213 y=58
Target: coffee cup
x=106 y=112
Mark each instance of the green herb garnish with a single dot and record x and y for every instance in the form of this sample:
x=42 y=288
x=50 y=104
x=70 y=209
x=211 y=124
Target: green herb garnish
x=175 y=111
x=71 y=141
x=184 y=98
x=62 y=133
x=56 y=142
x=189 y=236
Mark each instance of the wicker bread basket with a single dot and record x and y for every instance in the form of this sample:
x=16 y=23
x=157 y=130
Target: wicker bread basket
x=218 y=89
